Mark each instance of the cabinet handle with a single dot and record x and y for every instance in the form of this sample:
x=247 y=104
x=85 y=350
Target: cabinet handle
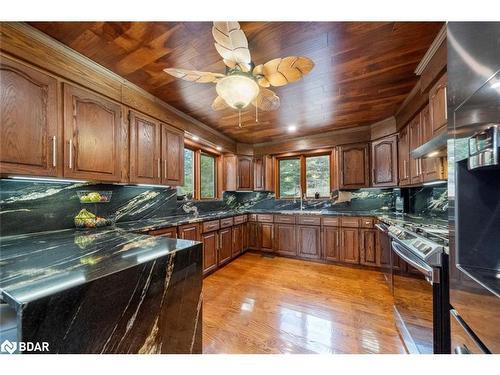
x=159 y=168
x=446 y=103
x=70 y=153
x=404 y=169
x=165 y=167
x=54 y=151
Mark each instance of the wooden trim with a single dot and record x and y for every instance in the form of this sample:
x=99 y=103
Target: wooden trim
x=215 y=157
x=441 y=36
x=196 y=167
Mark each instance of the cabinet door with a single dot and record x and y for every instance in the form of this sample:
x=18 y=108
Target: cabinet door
x=354 y=166
x=245 y=175
x=210 y=244
x=425 y=124
x=189 y=232
x=269 y=173
x=331 y=243
x=253 y=235
x=92 y=134
x=384 y=250
x=244 y=230
x=385 y=161
x=29 y=131
x=415 y=141
x=368 y=247
x=225 y=245
x=349 y=242
x=168 y=232
x=258 y=173
x=309 y=241
x=404 y=157
x=229 y=173
x=145 y=164
x=437 y=105
x=285 y=242
x=433 y=169
x=172 y=154
x=237 y=240
x=266 y=235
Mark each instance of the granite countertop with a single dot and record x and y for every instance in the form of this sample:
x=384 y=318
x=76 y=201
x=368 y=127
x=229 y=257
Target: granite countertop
x=39 y=264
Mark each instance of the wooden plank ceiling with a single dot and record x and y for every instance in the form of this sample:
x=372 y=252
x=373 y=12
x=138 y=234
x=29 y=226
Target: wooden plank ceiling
x=363 y=72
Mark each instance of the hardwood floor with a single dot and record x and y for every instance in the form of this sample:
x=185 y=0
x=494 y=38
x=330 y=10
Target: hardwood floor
x=258 y=304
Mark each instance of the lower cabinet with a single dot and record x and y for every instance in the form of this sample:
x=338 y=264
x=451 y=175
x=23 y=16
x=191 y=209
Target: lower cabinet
x=309 y=241
x=331 y=243
x=189 y=232
x=349 y=245
x=210 y=244
x=253 y=235
x=225 y=245
x=266 y=236
x=237 y=240
x=244 y=236
x=368 y=247
x=285 y=240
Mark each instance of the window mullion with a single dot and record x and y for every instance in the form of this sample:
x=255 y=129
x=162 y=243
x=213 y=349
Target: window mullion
x=303 y=174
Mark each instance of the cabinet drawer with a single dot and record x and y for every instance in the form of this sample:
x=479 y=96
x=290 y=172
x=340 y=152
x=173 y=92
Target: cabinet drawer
x=308 y=220
x=209 y=226
x=367 y=222
x=330 y=221
x=227 y=222
x=240 y=219
x=284 y=219
x=252 y=217
x=265 y=218
x=164 y=232
x=350 y=222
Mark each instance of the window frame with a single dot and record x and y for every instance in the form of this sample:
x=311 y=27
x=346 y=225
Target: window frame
x=303 y=174
x=198 y=150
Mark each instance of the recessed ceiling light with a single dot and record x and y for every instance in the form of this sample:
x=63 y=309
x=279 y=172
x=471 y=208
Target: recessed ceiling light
x=432 y=154
x=496 y=85
x=292 y=128
x=196 y=138
x=218 y=148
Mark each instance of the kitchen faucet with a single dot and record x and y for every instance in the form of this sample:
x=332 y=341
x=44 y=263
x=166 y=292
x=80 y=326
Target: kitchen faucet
x=301 y=199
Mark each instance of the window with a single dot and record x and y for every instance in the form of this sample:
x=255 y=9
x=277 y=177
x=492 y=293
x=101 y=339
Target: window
x=304 y=173
x=289 y=177
x=318 y=176
x=188 y=187
x=207 y=172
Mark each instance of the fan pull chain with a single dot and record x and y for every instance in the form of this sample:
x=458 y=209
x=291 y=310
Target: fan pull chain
x=256 y=114
x=239 y=118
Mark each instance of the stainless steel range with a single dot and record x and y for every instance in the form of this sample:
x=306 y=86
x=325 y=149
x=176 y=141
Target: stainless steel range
x=419 y=286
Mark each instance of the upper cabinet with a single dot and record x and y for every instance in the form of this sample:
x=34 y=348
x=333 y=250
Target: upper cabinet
x=30 y=140
x=404 y=156
x=145 y=163
x=244 y=173
x=92 y=135
x=353 y=163
x=384 y=157
x=229 y=172
x=437 y=105
x=415 y=131
x=172 y=154
x=258 y=173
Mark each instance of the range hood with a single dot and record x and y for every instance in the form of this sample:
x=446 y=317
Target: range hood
x=434 y=148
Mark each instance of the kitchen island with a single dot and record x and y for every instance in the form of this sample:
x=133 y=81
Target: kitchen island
x=103 y=291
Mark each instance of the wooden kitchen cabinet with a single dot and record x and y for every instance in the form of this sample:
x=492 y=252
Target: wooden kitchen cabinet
x=210 y=246
x=145 y=155
x=384 y=157
x=92 y=131
x=404 y=156
x=354 y=166
x=189 y=232
x=164 y=232
x=253 y=235
x=237 y=240
x=285 y=240
x=415 y=131
x=349 y=245
x=244 y=173
x=266 y=236
x=269 y=163
x=425 y=125
x=258 y=173
x=225 y=245
x=244 y=228
x=309 y=241
x=229 y=167
x=369 y=251
x=434 y=169
x=331 y=243
x=172 y=156
x=30 y=142
x=437 y=105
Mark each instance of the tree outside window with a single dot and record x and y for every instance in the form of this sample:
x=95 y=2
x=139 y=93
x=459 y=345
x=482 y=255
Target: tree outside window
x=207 y=172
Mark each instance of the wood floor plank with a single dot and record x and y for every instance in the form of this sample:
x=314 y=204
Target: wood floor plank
x=258 y=304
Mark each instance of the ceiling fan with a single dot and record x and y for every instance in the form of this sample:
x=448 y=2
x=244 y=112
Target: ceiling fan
x=244 y=83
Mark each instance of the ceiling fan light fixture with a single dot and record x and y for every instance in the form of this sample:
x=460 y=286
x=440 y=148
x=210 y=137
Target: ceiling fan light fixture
x=237 y=90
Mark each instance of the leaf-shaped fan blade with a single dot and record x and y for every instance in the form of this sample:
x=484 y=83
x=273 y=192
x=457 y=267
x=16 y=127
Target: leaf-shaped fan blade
x=219 y=104
x=194 y=75
x=282 y=71
x=266 y=100
x=231 y=43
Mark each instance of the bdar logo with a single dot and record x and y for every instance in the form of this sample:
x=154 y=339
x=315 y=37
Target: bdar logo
x=8 y=346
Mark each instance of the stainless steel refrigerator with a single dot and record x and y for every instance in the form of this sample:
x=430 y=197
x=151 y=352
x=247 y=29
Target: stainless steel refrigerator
x=473 y=99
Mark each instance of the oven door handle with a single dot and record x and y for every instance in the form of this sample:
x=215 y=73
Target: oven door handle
x=382 y=227
x=426 y=271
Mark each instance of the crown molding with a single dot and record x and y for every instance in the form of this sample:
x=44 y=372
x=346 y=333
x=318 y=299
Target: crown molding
x=441 y=36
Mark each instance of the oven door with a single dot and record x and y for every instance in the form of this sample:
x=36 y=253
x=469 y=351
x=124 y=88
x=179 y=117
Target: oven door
x=413 y=301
